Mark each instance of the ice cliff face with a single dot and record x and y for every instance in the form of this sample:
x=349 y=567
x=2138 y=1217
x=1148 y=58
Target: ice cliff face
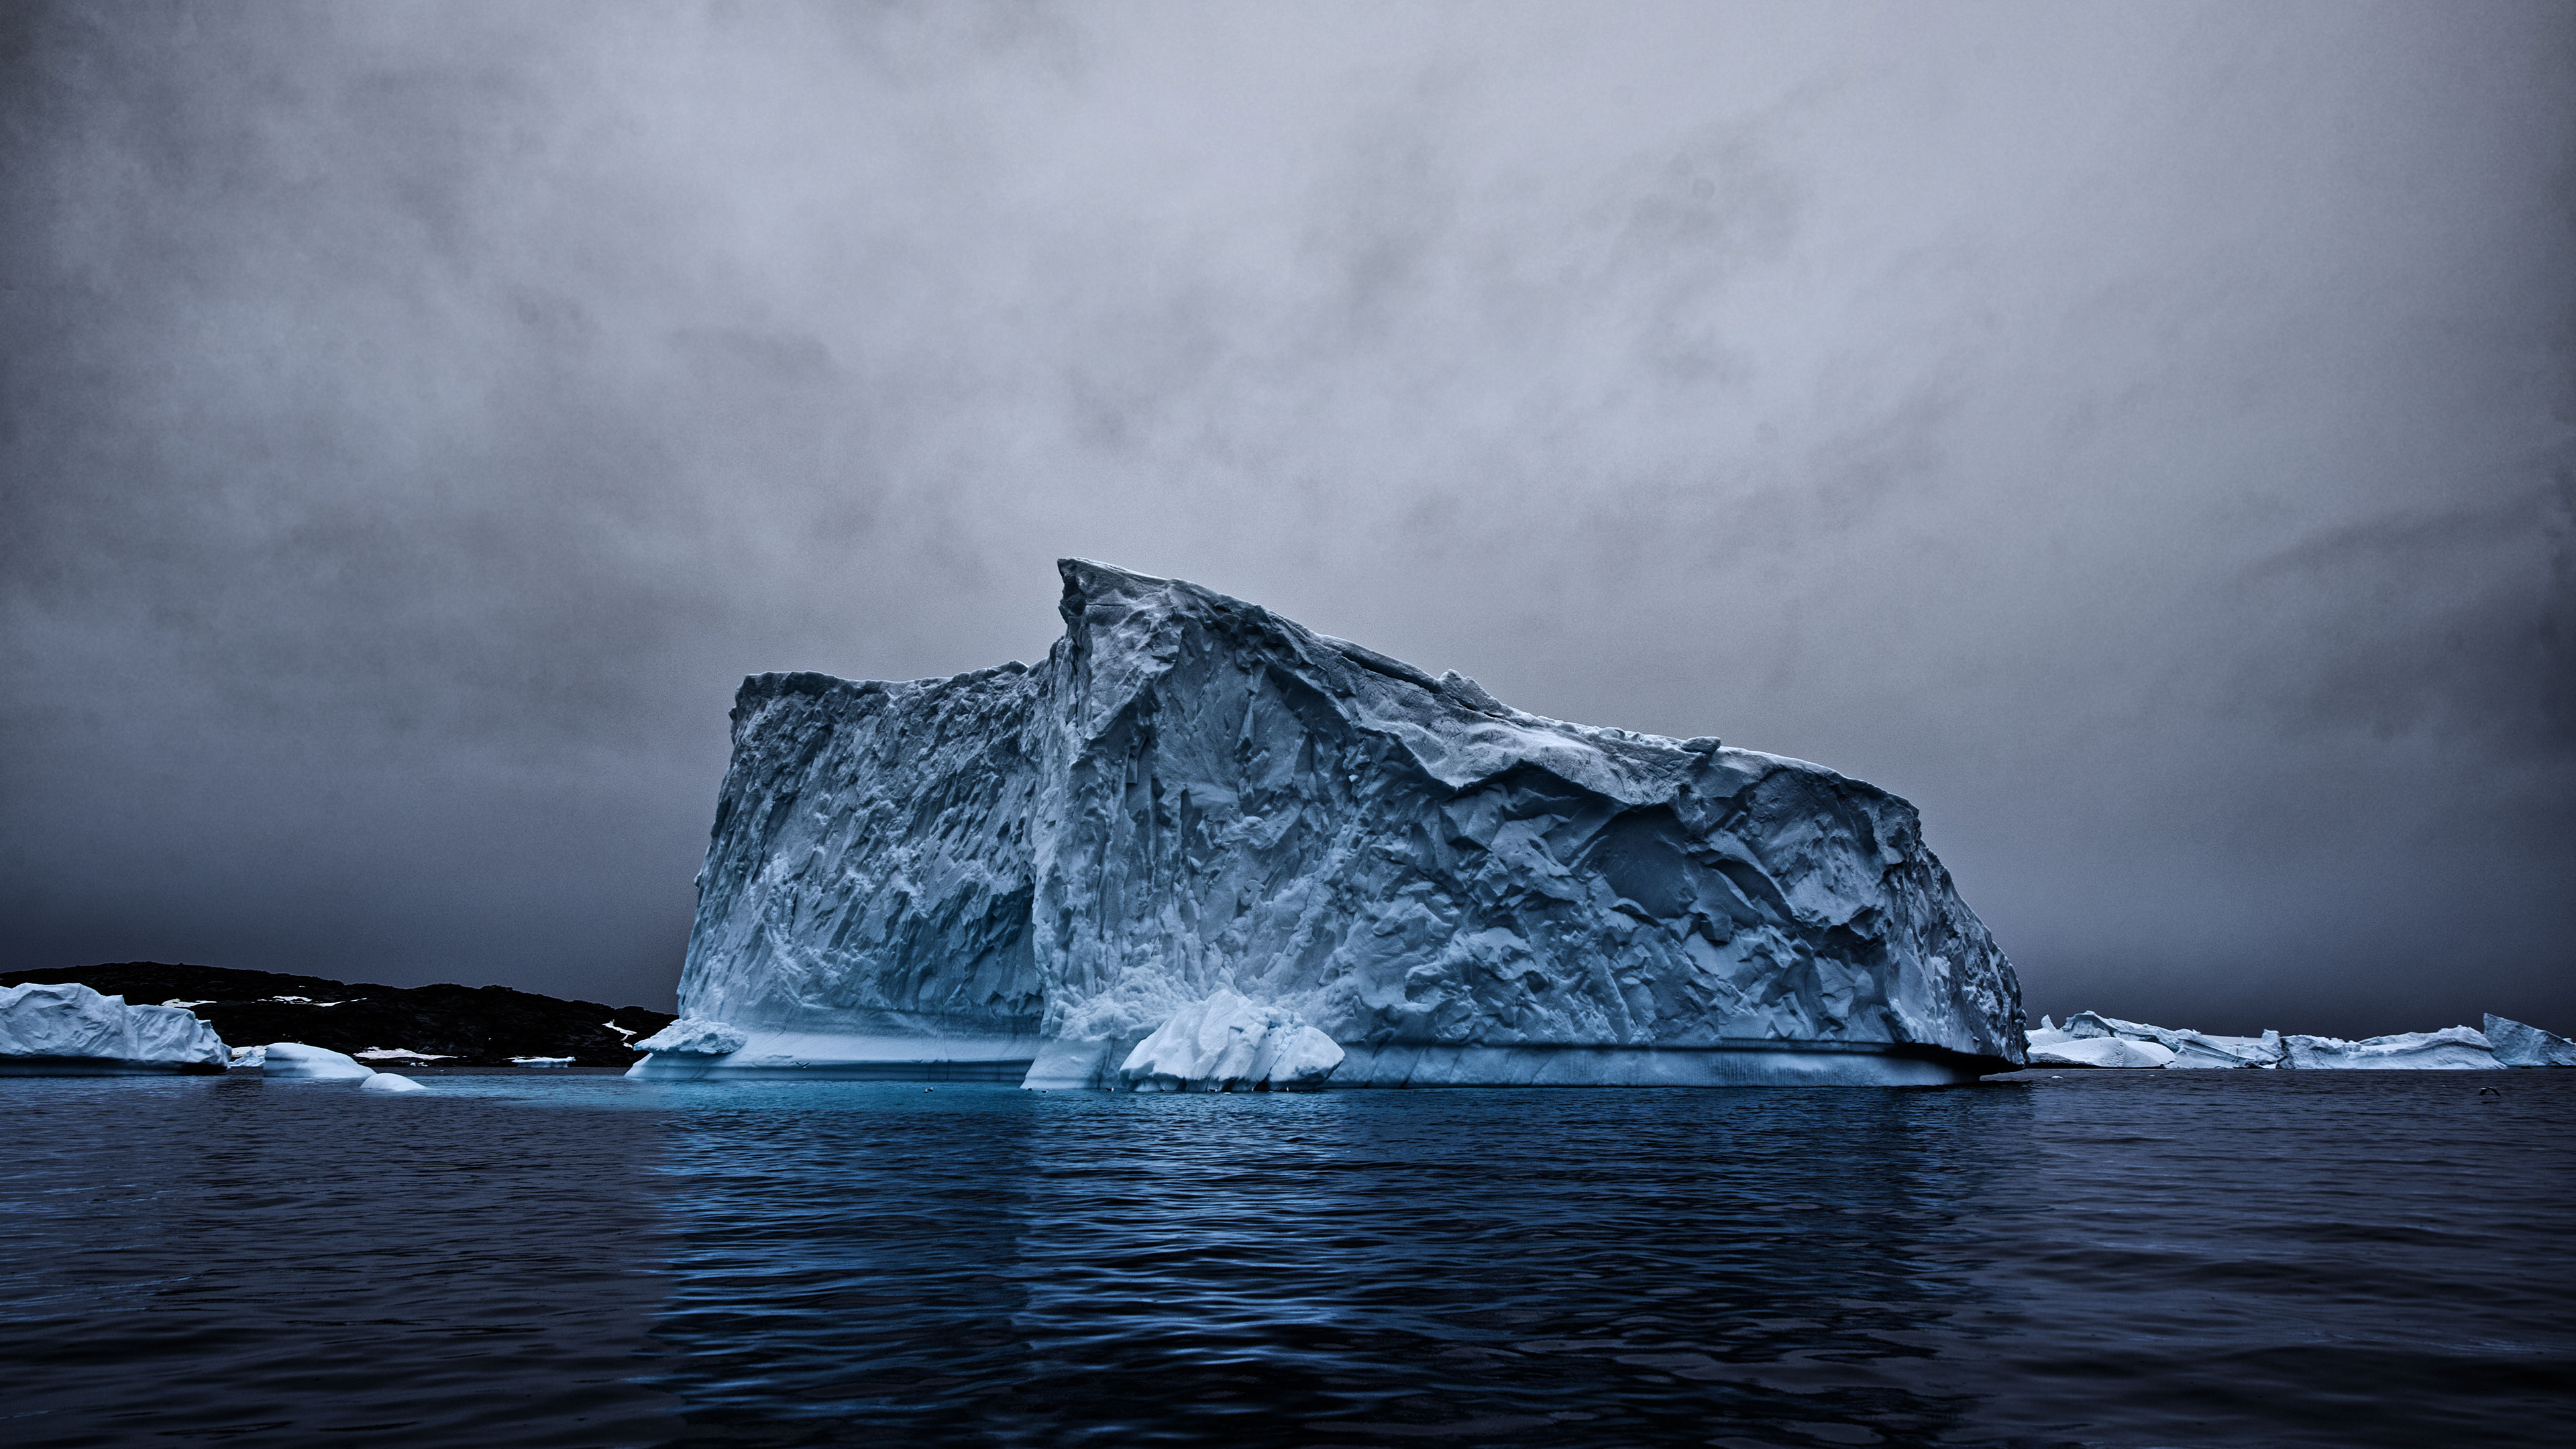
x=1192 y=795
x=69 y=1030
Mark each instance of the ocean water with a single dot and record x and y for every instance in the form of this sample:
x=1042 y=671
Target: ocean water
x=2134 y=1259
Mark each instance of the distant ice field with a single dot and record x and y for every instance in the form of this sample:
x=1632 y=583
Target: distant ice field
x=2102 y=1258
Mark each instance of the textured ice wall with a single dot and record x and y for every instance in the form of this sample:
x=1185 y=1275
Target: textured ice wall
x=1194 y=795
x=68 y=1029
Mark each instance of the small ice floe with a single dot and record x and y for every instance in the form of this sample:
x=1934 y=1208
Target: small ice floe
x=541 y=1061
x=1226 y=1044
x=295 y=1060
x=390 y=1082
x=400 y=1054
x=2517 y=1045
x=67 y=1029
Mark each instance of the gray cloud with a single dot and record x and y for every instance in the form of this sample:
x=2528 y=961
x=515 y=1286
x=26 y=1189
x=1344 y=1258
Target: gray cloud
x=2143 y=437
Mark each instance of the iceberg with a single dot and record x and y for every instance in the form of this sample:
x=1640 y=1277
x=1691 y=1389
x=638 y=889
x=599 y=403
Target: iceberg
x=1028 y=873
x=2517 y=1045
x=66 y=1029
x=2454 y=1048
x=2090 y=1039
x=2178 y=1048
x=293 y=1059
x=390 y=1082
x=1226 y=1043
x=2099 y=1051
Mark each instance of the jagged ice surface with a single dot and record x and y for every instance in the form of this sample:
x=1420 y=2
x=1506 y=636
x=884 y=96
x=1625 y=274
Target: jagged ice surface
x=67 y=1029
x=1192 y=796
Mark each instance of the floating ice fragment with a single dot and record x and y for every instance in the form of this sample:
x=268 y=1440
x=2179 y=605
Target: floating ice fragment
x=293 y=1059
x=1226 y=1043
x=389 y=1082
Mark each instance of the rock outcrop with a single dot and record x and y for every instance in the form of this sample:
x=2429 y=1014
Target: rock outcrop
x=1022 y=873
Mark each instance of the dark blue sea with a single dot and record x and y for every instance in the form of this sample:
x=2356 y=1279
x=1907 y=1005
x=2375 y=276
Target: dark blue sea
x=2111 y=1258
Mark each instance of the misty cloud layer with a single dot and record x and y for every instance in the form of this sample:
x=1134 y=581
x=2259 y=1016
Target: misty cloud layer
x=2144 y=436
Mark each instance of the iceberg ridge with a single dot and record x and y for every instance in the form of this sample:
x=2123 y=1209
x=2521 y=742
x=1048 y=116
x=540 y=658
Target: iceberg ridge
x=1032 y=871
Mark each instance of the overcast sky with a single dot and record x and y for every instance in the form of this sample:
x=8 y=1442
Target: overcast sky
x=2143 y=435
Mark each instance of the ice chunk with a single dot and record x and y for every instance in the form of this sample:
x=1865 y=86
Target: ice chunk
x=2098 y=1051
x=2454 y=1048
x=693 y=1037
x=1033 y=869
x=541 y=1061
x=2190 y=1049
x=67 y=1029
x=1226 y=1043
x=401 y=1054
x=293 y=1059
x=2517 y=1045
x=389 y=1082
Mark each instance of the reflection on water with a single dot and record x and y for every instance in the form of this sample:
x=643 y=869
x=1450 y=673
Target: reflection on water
x=2119 y=1259
x=1363 y=1266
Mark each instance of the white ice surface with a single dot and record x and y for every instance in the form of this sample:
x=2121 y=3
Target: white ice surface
x=295 y=1060
x=2056 y=1049
x=1226 y=1043
x=693 y=1037
x=2454 y=1048
x=1192 y=795
x=2518 y=1045
x=389 y=1082
x=68 y=1029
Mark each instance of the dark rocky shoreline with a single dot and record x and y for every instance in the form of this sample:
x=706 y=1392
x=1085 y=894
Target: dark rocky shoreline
x=465 y=1026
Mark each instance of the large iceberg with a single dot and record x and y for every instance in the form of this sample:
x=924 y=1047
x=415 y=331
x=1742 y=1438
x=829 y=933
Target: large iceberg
x=1026 y=873
x=67 y=1029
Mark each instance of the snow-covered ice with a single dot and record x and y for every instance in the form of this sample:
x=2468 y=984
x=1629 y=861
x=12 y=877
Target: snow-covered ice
x=690 y=1037
x=2453 y=1048
x=2518 y=1045
x=67 y=1029
x=2100 y=1051
x=390 y=1082
x=2180 y=1048
x=1033 y=870
x=2091 y=1039
x=293 y=1059
x=1226 y=1043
